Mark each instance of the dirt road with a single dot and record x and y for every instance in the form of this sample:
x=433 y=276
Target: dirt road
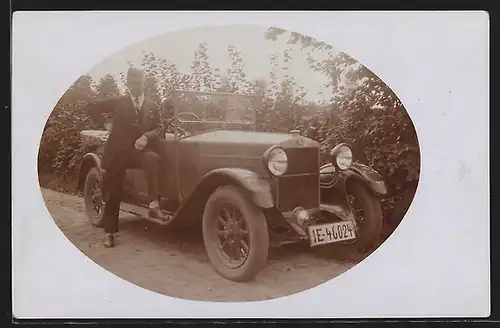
x=169 y=263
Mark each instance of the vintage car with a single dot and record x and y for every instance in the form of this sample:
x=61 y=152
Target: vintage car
x=245 y=190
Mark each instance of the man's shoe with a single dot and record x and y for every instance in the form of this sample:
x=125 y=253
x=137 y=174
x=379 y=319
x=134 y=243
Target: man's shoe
x=156 y=213
x=110 y=240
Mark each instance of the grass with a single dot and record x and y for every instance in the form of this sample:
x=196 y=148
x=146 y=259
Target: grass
x=57 y=183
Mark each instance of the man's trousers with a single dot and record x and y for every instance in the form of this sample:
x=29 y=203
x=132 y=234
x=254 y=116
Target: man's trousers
x=113 y=182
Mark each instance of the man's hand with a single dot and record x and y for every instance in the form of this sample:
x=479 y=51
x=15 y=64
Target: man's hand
x=108 y=126
x=141 y=143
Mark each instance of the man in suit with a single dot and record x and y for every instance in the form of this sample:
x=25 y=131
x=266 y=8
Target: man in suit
x=134 y=137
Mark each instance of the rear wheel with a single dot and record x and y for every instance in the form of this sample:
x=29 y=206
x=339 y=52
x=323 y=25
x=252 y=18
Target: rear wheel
x=94 y=202
x=235 y=234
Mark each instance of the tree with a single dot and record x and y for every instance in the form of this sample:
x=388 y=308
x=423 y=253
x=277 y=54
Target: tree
x=263 y=105
x=151 y=66
x=290 y=96
x=339 y=68
x=107 y=87
x=170 y=79
x=223 y=84
x=151 y=89
x=287 y=106
x=60 y=145
x=236 y=75
x=202 y=78
x=364 y=111
x=296 y=38
x=367 y=114
x=273 y=86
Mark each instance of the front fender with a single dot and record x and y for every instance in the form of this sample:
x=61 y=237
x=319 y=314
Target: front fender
x=258 y=189
x=370 y=177
x=89 y=161
x=333 y=187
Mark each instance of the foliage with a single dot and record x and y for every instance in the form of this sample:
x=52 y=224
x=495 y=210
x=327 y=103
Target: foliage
x=203 y=77
x=108 y=87
x=367 y=114
x=60 y=149
x=363 y=112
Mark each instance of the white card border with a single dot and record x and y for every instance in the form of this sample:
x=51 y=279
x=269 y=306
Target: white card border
x=439 y=94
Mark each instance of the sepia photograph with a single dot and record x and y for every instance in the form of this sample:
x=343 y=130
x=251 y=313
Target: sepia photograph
x=228 y=163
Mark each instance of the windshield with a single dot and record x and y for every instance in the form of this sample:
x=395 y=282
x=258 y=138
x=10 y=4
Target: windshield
x=204 y=111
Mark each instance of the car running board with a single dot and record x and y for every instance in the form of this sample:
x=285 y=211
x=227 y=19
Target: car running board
x=143 y=212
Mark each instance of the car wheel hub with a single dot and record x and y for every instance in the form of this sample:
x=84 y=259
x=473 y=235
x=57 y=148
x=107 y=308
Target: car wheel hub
x=233 y=238
x=97 y=198
x=357 y=210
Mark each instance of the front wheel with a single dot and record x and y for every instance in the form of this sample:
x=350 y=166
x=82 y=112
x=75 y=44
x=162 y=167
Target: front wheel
x=94 y=203
x=235 y=234
x=368 y=215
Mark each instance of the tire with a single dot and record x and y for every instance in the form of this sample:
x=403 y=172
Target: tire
x=256 y=239
x=93 y=181
x=369 y=230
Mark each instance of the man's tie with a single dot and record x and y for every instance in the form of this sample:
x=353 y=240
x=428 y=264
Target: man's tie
x=136 y=104
x=137 y=108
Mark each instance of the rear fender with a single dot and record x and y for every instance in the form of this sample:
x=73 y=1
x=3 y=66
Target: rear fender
x=89 y=161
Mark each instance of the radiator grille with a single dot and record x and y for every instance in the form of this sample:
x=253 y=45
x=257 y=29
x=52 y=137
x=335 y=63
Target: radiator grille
x=300 y=185
x=302 y=190
x=302 y=160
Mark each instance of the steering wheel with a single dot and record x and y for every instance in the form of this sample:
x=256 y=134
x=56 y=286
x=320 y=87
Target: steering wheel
x=176 y=117
x=189 y=114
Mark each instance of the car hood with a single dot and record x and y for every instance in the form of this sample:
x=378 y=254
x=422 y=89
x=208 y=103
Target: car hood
x=245 y=143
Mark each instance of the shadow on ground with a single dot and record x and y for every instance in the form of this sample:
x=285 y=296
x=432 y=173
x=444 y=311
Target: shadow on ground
x=191 y=241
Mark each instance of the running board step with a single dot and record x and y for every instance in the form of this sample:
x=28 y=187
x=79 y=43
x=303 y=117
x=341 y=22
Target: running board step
x=142 y=211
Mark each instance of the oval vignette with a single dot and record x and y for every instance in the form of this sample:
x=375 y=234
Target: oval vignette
x=326 y=94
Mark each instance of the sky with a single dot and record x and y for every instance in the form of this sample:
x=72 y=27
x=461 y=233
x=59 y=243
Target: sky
x=179 y=47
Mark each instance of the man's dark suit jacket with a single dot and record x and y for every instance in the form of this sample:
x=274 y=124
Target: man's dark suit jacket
x=127 y=126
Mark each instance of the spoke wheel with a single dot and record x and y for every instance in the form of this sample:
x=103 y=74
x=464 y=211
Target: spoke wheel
x=358 y=211
x=235 y=234
x=233 y=237
x=367 y=212
x=97 y=200
x=94 y=201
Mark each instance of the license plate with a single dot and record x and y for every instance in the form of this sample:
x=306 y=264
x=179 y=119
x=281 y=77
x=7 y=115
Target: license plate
x=331 y=233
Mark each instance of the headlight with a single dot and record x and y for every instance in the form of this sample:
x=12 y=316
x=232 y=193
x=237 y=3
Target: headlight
x=341 y=157
x=301 y=216
x=276 y=161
